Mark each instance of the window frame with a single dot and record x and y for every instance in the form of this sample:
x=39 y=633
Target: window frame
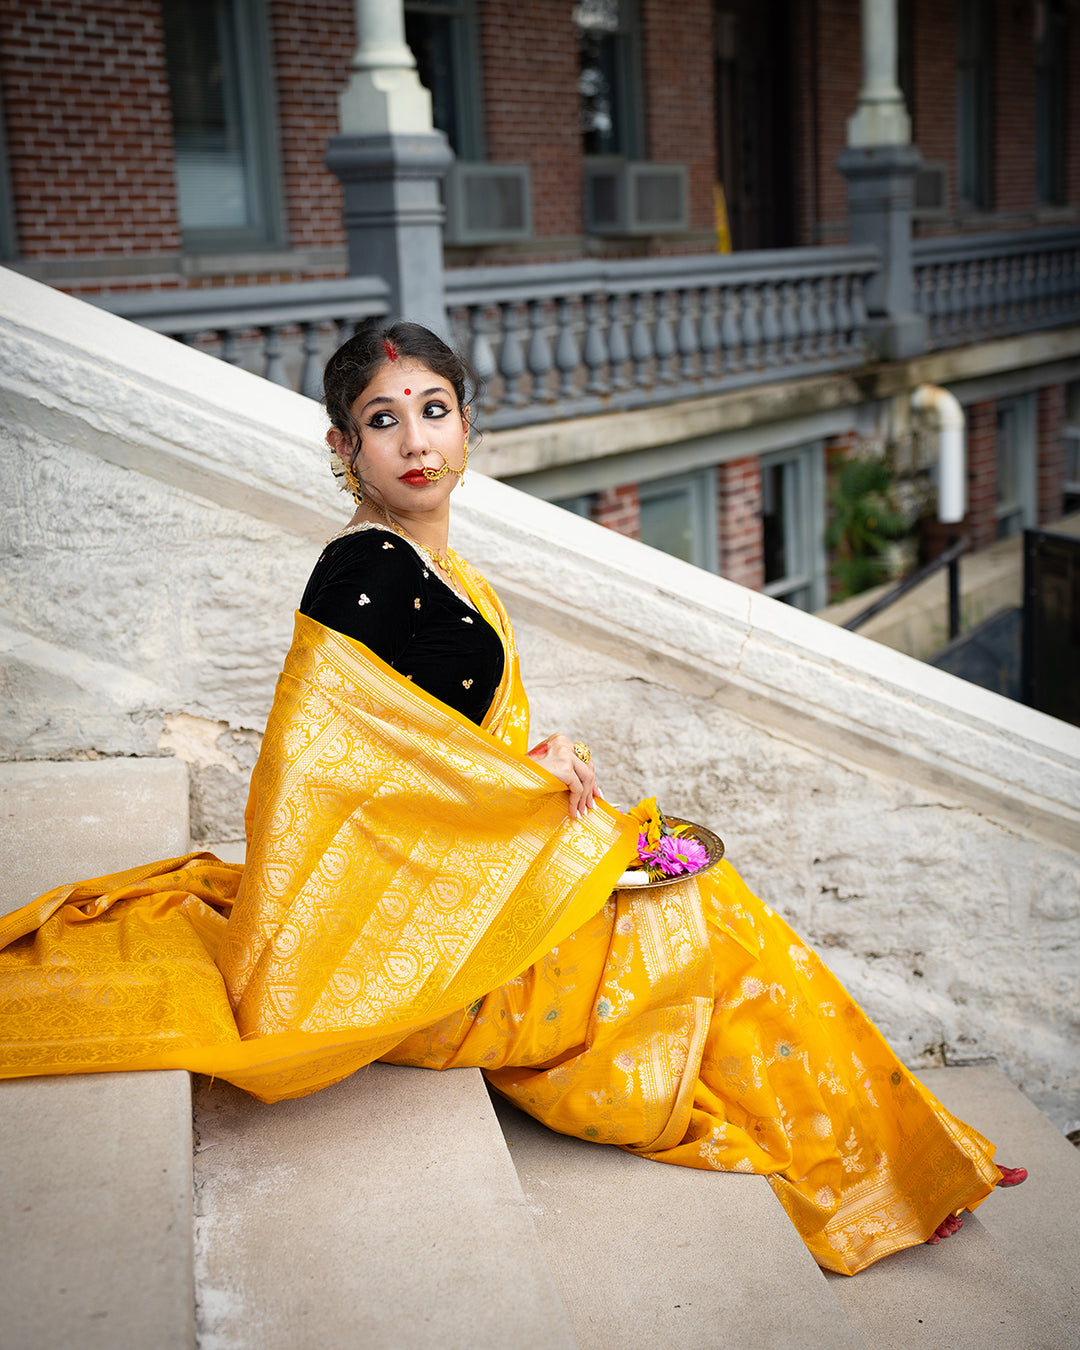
x=699 y=487
x=257 y=101
x=1051 y=104
x=630 y=87
x=975 y=105
x=9 y=239
x=805 y=531
x=465 y=62
x=1025 y=505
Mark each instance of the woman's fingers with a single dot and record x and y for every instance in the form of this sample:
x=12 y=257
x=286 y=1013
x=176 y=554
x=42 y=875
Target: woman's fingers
x=556 y=753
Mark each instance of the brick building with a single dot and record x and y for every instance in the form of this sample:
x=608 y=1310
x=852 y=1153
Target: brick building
x=155 y=145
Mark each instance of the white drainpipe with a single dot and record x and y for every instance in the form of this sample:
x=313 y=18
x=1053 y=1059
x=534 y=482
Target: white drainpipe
x=948 y=417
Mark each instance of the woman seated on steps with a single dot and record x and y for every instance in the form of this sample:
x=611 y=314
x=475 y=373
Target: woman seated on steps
x=421 y=887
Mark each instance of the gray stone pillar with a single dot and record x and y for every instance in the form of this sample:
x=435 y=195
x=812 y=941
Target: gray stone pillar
x=390 y=161
x=880 y=165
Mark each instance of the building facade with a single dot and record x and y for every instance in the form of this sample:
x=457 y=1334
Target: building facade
x=178 y=145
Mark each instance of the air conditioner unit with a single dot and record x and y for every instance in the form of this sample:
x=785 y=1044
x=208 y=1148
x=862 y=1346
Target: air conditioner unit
x=931 y=191
x=633 y=197
x=487 y=203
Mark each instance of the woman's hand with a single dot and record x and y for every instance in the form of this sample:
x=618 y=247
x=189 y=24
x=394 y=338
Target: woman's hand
x=557 y=755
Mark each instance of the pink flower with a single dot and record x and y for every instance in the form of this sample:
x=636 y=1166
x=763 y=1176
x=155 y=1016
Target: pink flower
x=672 y=856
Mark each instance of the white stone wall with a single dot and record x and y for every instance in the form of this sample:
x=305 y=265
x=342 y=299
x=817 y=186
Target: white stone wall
x=161 y=514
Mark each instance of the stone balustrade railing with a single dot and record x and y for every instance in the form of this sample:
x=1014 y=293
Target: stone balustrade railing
x=569 y=339
x=986 y=285
x=284 y=332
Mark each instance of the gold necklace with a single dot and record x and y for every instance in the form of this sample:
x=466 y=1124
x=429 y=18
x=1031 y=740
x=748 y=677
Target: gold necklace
x=441 y=561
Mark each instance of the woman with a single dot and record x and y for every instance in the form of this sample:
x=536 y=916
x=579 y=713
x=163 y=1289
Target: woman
x=419 y=887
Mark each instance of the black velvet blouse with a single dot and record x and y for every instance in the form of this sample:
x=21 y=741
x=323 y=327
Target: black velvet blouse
x=373 y=586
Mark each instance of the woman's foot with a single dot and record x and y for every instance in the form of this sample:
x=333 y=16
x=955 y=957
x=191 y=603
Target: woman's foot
x=946 y=1228
x=1012 y=1176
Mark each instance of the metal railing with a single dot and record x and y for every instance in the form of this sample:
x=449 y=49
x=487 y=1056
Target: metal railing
x=971 y=287
x=283 y=332
x=950 y=559
x=560 y=340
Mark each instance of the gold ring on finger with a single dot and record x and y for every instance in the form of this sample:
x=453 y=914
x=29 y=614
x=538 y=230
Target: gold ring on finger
x=582 y=751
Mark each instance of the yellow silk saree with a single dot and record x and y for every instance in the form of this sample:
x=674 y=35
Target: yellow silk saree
x=413 y=891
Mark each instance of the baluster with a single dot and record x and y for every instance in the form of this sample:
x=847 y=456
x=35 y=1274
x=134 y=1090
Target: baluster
x=640 y=342
x=1001 y=292
x=841 y=287
x=959 y=298
x=858 y=313
x=710 y=334
x=770 y=325
x=731 y=330
x=511 y=358
x=540 y=363
x=807 y=321
x=751 y=329
x=941 y=301
x=311 y=373
x=274 y=370
x=1016 y=291
x=789 y=323
x=566 y=351
x=825 y=317
x=984 y=306
x=618 y=347
x=687 y=335
x=345 y=329
x=481 y=357
x=1053 y=283
x=230 y=346
x=663 y=340
x=594 y=350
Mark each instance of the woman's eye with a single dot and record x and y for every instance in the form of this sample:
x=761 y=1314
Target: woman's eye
x=435 y=410
x=381 y=419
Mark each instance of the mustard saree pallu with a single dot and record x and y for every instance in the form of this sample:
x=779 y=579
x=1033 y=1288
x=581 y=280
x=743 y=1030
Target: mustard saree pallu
x=401 y=863
x=413 y=891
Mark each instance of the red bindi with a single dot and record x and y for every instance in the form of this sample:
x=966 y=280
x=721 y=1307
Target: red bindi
x=408 y=391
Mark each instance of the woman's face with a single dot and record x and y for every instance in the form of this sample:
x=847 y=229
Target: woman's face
x=409 y=421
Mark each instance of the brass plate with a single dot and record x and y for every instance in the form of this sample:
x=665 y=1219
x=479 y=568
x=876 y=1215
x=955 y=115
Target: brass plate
x=712 y=842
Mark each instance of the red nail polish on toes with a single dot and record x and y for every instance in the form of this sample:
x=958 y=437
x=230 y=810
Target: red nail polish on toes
x=1012 y=1176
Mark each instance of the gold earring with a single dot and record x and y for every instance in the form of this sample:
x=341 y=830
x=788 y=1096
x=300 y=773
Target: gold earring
x=464 y=460
x=353 y=483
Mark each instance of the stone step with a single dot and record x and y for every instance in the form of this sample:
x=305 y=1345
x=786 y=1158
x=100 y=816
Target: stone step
x=95 y=1171
x=95 y=1227
x=647 y=1255
x=68 y=820
x=1038 y=1223
x=987 y=1287
x=382 y=1212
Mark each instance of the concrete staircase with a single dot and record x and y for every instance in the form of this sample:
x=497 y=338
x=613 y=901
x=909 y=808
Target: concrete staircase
x=403 y=1209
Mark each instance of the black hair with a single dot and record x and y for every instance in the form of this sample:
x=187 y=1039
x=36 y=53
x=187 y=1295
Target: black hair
x=353 y=366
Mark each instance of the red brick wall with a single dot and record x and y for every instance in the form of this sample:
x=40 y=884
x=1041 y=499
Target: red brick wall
x=738 y=520
x=530 y=69
x=619 y=509
x=313 y=43
x=1050 y=443
x=677 y=69
x=980 y=523
x=89 y=133
x=1014 y=108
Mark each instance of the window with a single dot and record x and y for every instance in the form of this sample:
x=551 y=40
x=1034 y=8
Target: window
x=608 y=78
x=218 y=58
x=793 y=519
x=1051 y=56
x=442 y=37
x=678 y=516
x=1016 y=486
x=8 y=242
x=1072 y=447
x=974 y=103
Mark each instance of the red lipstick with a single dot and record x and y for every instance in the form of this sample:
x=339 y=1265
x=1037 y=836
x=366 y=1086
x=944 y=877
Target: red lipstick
x=414 y=476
